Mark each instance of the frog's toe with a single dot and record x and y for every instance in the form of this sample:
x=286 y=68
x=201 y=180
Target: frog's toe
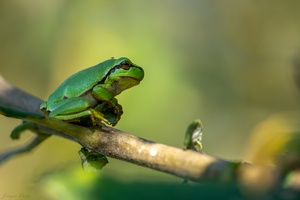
x=96 y=116
x=118 y=110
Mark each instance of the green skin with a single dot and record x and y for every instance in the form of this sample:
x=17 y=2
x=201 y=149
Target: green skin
x=91 y=92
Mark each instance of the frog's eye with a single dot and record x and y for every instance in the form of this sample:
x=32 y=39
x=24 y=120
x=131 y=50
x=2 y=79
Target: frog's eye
x=126 y=64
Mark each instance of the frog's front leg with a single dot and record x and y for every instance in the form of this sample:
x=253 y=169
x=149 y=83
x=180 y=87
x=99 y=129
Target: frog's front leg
x=109 y=107
x=73 y=109
x=102 y=94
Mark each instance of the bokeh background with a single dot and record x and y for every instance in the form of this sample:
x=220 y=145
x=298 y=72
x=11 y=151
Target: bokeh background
x=229 y=63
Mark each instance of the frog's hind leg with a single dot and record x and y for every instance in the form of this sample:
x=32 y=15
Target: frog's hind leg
x=94 y=115
x=73 y=109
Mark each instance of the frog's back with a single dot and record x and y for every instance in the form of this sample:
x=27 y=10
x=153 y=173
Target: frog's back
x=80 y=82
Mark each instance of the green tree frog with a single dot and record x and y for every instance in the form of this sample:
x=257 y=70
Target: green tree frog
x=89 y=95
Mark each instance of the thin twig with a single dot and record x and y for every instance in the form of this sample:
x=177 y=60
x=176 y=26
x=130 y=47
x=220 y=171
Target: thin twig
x=37 y=140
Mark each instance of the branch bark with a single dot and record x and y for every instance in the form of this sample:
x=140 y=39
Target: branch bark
x=187 y=164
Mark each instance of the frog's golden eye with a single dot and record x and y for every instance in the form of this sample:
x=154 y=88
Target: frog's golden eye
x=126 y=64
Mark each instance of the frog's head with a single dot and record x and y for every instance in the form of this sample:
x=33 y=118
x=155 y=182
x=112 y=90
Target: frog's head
x=123 y=75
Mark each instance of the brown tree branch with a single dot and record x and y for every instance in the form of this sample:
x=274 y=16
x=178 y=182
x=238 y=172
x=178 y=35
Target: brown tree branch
x=187 y=164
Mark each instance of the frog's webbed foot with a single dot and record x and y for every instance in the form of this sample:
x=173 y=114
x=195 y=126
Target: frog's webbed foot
x=111 y=113
x=16 y=133
x=118 y=110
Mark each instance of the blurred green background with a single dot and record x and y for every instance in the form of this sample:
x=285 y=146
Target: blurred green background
x=228 y=63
